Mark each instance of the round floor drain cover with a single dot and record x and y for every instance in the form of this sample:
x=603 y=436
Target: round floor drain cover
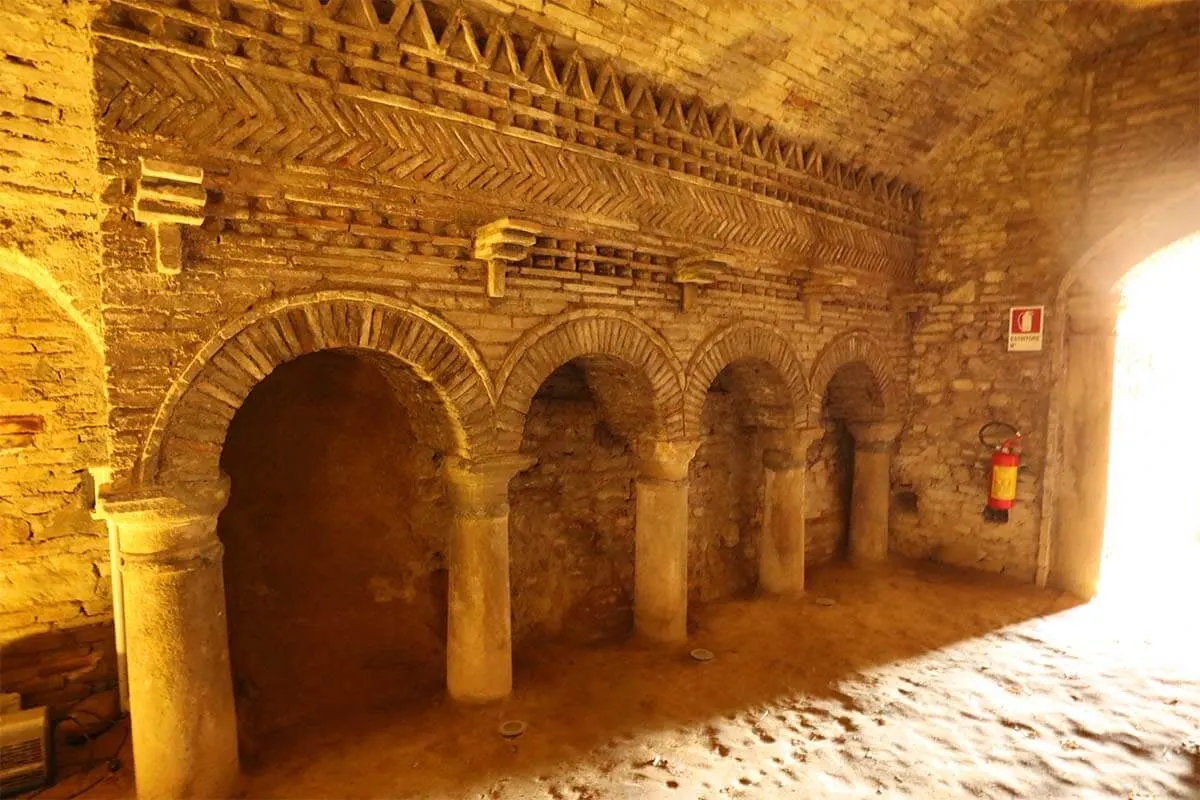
x=826 y=601
x=700 y=654
x=512 y=729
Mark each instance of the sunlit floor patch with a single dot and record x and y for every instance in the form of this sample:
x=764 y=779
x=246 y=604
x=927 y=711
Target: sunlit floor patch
x=922 y=683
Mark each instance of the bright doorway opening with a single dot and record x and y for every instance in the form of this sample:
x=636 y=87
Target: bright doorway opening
x=1152 y=534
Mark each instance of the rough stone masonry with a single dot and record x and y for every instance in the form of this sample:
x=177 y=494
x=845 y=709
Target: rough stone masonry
x=651 y=292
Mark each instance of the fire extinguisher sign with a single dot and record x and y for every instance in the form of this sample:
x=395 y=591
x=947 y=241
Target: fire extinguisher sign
x=1025 y=324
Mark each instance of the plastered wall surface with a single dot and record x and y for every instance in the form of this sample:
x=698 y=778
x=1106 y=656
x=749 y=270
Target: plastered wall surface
x=725 y=484
x=827 y=494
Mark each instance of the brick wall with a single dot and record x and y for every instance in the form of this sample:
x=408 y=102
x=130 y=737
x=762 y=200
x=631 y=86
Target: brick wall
x=328 y=187
x=48 y=177
x=1006 y=216
x=376 y=195
x=55 y=610
x=54 y=588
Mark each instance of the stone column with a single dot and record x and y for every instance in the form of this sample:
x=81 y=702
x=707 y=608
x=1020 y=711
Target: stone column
x=1078 y=542
x=479 y=635
x=781 y=552
x=871 y=490
x=660 y=570
x=184 y=724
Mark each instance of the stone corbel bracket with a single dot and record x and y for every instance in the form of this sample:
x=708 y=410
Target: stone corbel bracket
x=692 y=272
x=501 y=242
x=821 y=285
x=168 y=197
x=914 y=301
x=915 y=304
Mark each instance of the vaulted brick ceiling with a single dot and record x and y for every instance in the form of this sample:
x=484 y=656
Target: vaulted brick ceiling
x=882 y=82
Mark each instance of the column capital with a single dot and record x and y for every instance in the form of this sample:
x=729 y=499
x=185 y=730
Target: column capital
x=480 y=485
x=165 y=521
x=1093 y=314
x=875 y=435
x=665 y=459
x=788 y=448
x=162 y=503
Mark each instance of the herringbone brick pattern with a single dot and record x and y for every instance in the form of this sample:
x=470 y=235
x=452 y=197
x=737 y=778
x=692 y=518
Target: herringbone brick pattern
x=207 y=108
x=483 y=67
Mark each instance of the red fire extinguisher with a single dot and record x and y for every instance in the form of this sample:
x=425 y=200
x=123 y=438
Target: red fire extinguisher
x=1006 y=462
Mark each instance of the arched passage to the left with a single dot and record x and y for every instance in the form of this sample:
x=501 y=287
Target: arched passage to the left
x=56 y=638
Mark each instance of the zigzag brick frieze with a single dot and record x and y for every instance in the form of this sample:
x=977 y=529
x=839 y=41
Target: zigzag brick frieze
x=208 y=94
x=478 y=64
x=204 y=107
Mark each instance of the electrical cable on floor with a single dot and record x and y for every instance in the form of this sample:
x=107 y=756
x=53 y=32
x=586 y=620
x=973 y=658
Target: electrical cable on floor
x=93 y=784
x=114 y=762
x=89 y=738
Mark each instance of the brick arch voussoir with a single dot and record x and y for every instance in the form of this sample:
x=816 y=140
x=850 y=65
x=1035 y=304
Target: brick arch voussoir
x=741 y=341
x=584 y=333
x=849 y=348
x=188 y=432
x=15 y=263
x=1102 y=267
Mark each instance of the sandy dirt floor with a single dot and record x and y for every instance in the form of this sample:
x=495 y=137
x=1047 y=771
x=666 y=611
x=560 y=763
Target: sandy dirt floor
x=917 y=682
